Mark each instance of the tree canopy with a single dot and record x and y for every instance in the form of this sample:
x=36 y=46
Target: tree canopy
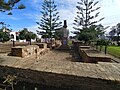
x=8 y=5
x=115 y=30
x=92 y=33
x=4 y=36
x=85 y=22
x=25 y=34
x=49 y=22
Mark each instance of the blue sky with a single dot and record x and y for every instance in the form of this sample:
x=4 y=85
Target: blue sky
x=26 y=18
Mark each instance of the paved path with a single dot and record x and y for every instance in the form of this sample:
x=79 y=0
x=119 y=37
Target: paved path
x=62 y=63
x=114 y=59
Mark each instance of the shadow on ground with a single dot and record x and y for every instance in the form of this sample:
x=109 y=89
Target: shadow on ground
x=73 y=51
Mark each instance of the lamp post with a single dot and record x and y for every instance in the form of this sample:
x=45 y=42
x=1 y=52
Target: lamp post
x=13 y=43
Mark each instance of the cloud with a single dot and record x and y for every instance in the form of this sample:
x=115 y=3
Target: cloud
x=67 y=11
x=33 y=28
x=108 y=10
x=36 y=4
x=14 y=18
x=34 y=16
x=67 y=14
x=30 y=28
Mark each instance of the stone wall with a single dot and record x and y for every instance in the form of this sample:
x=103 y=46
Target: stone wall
x=30 y=50
x=92 y=56
x=59 y=80
x=42 y=45
x=54 y=44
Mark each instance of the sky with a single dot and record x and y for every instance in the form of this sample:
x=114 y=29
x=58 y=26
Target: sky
x=28 y=17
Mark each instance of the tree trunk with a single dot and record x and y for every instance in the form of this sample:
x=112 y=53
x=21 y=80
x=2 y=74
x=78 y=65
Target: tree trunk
x=100 y=47
x=30 y=41
x=105 y=49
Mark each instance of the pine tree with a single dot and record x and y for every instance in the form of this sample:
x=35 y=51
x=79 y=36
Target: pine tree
x=49 y=21
x=85 y=17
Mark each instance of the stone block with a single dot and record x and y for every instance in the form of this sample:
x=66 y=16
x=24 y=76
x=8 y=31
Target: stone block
x=49 y=45
x=78 y=43
x=42 y=45
x=84 y=47
x=16 y=51
x=24 y=51
x=31 y=50
x=93 y=56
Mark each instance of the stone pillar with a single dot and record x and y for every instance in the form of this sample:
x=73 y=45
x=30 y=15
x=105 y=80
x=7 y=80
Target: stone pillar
x=64 y=45
x=65 y=34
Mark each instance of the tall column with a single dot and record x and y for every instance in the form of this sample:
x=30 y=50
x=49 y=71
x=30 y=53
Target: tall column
x=65 y=34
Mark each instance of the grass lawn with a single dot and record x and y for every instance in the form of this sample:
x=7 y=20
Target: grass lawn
x=69 y=42
x=114 y=50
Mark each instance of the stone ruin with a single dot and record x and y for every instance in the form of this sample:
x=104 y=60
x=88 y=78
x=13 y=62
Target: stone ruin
x=30 y=50
x=90 y=55
x=64 y=41
x=33 y=50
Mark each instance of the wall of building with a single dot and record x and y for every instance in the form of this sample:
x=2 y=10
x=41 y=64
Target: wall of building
x=13 y=36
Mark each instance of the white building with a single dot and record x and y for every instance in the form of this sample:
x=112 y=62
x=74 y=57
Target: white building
x=13 y=36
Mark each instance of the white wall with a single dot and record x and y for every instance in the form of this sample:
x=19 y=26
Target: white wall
x=14 y=34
